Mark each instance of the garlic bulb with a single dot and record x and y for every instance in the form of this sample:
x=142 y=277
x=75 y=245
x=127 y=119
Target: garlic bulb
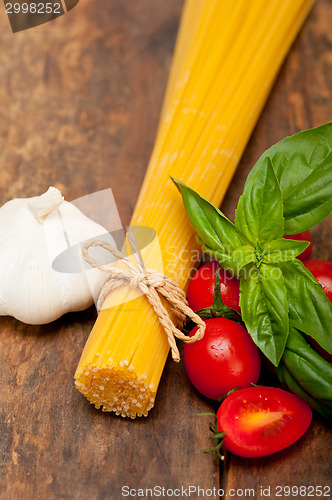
x=33 y=232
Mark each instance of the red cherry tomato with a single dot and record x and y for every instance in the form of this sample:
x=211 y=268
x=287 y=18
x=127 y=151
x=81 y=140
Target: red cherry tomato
x=201 y=288
x=225 y=358
x=260 y=421
x=305 y=236
x=322 y=271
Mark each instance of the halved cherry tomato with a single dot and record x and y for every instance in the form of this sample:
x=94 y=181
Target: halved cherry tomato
x=201 y=288
x=260 y=421
x=322 y=271
x=225 y=358
x=304 y=236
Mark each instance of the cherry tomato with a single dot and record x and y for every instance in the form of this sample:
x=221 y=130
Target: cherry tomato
x=260 y=421
x=305 y=236
x=201 y=288
x=225 y=358
x=322 y=271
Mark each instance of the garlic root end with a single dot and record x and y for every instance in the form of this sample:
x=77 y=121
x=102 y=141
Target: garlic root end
x=43 y=205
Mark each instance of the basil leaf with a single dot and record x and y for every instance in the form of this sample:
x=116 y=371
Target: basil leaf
x=293 y=385
x=309 y=308
x=263 y=302
x=301 y=205
x=282 y=250
x=259 y=214
x=303 y=166
x=209 y=223
x=306 y=373
x=234 y=262
x=220 y=255
x=243 y=256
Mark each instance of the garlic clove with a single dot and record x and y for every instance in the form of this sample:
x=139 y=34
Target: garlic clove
x=33 y=231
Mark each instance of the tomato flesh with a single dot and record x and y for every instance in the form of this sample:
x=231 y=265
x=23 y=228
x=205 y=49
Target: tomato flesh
x=201 y=288
x=304 y=236
x=224 y=359
x=260 y=421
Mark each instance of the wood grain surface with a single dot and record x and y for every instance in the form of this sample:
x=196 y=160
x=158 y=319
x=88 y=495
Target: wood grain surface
x=79 y=104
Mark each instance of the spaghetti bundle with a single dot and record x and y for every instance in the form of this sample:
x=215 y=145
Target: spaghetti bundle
x=226 y=59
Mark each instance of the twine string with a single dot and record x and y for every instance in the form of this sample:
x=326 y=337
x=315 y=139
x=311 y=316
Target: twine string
x=153 y=285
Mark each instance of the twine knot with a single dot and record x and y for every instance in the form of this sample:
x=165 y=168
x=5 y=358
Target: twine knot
x=153 y=285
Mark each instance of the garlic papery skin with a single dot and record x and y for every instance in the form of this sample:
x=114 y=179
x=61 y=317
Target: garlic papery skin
x=33 y=232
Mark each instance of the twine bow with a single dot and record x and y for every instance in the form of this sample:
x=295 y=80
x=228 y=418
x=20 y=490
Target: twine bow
x=153 y=284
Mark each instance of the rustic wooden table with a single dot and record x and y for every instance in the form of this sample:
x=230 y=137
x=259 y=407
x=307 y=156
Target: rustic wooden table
x=79 y=105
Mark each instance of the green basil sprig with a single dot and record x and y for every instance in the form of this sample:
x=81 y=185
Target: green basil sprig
x=288 y=191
